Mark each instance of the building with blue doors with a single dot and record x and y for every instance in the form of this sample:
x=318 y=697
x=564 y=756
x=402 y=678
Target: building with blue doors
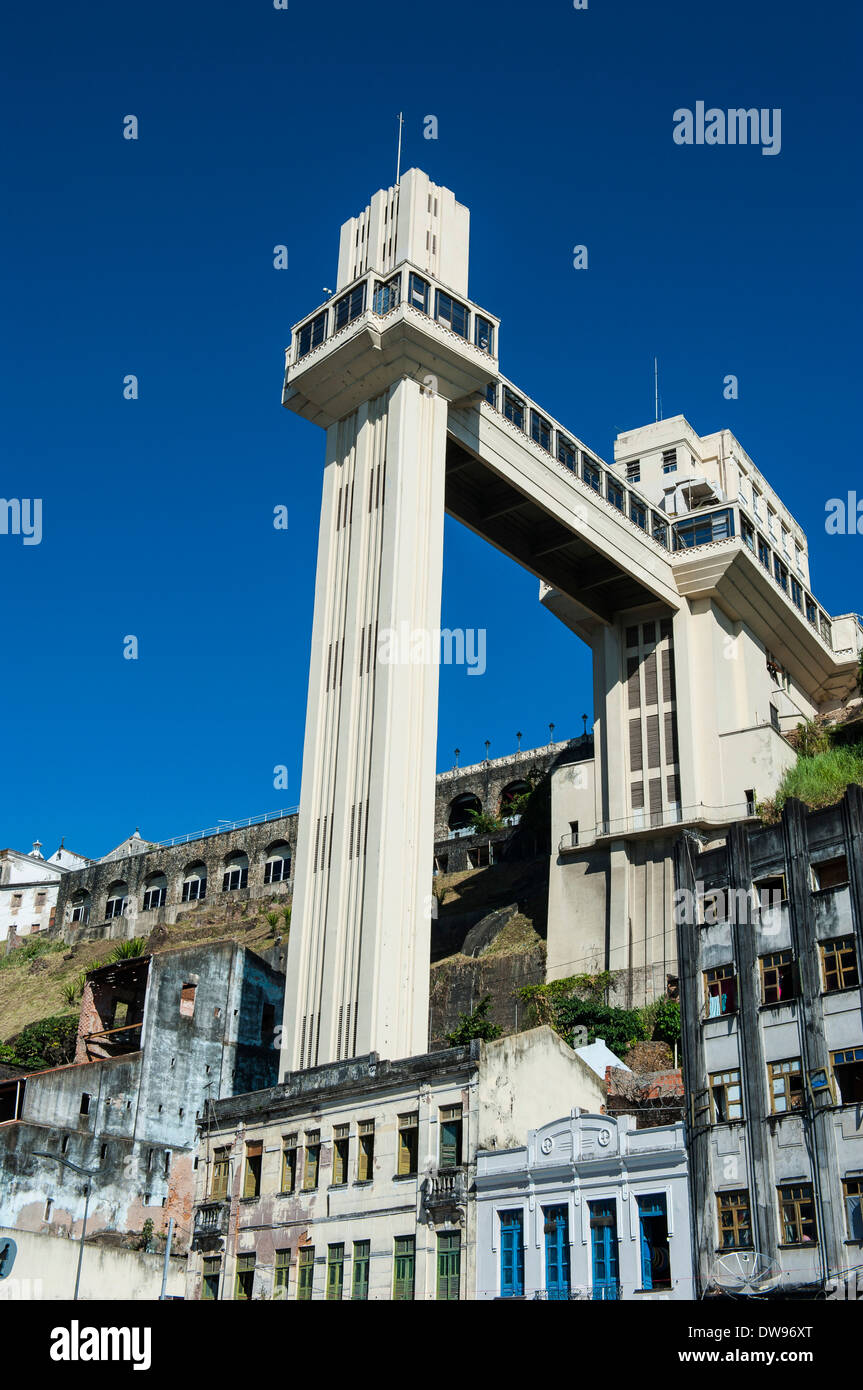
x=590 y=1208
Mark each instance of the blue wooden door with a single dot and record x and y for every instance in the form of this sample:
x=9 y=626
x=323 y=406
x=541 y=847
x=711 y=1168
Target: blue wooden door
x=603 y=1236
x=511 y=1255
x=556 y=1225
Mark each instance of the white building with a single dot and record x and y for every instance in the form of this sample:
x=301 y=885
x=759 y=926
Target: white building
x=28 y=887
x=590 y=1207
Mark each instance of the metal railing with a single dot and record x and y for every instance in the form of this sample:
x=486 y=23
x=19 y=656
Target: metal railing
x=225 y=827
x=654 y=820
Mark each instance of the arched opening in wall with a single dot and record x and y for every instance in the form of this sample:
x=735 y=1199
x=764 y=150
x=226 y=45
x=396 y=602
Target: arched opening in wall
x=460 y=813
x=277 y=868
x=236 y=873
x=80 y=906
x=118 y=899
x=194 y=882
x=155 y=891
x=512 y=801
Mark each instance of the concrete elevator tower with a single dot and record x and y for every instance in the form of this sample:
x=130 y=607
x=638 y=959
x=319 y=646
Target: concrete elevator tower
x=376 y=367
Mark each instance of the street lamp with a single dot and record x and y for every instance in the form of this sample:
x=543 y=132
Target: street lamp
x=85 y=1172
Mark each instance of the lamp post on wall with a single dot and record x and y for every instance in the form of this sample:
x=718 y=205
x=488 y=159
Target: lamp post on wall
x=86 y=1173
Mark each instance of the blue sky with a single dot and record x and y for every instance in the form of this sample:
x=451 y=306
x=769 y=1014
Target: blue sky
x=155 y=257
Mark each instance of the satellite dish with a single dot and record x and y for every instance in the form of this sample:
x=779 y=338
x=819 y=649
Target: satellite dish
x=745 y=1273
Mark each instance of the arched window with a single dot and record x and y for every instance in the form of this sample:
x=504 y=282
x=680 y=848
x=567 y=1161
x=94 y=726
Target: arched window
x=118 y=899
x=277 y=868
x=195 y=882
x=155 y=891
x=81 y=906
x=511 y=803
x=236 y=873
x=460 y=811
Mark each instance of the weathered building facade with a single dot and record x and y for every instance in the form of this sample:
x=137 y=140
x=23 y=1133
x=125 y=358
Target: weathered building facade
x=158 y=1036
x=590 y=1208
x=770 y=951
x=353 y=1180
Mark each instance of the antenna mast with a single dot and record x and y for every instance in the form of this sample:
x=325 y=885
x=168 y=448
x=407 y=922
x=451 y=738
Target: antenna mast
x=399 y=155
x=656 y=387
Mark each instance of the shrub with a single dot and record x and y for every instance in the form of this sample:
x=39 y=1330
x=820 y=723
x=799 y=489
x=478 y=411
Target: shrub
x=128 y=950
x=48 y=1043
x=272 y=918
x=475 y=1025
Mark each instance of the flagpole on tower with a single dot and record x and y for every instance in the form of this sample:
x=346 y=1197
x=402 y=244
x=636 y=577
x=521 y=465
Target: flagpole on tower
x=399 y=156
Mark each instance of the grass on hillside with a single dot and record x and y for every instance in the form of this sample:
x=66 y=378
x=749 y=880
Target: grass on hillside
x=817 y=781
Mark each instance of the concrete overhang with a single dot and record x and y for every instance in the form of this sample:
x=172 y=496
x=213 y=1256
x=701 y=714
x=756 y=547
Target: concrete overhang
x=365 y=359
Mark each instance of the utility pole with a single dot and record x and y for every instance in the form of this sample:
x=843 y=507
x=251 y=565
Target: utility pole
x=167 y=1257
x=86 y=1173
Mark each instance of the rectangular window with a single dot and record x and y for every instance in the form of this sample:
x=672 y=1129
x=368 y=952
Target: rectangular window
x=387 y=294
x=565 y=452
x=84 y=1107
x=780 y=573
x=540 y=430
x=282 y=1274
x=483 y=334
x=703 y=530
x=777 y=977
x=839 y=959
x=366 y=1150
x=590 y=473
x=245 y=1277
x=615 y=494
x=252 y=1170
x=491 y=393
x=797 y=1214
x=511 y=1254
x=277 y=870
x=637 y=513
x=194 y=889
x=312 y=334
x=726 y=1097
x=655 y=1258
x=305 y=1272
x=221 y=1170
x=786 y=1085
x=289 y=1163
x=852 y=1191
x=450 y=1136
x=796 y=594
x=764 y=552
x=748 y=533
x=735 y=1225
x=404 y=1267
x=335 y=1272
x=153 y=898
x=830 y=873
x=418 y=293
x=659 y=529
x=313 y=1160
x=774 y=719
x=811 y=611
x=633 y=471
x=450 y=312
x=669 y=460
x=720 y=988
x=211 y=1277
x=513 y=408
x=360 y=1270
x=187 y=1000
x=341 y=1147
x=408 y=1150
x=235 y=878
x=848 y=1069
x=350 y=306
x=448 y=1264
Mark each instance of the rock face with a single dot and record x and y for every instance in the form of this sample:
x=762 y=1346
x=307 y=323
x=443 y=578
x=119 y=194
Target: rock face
x=459 y=983
x=487 y=929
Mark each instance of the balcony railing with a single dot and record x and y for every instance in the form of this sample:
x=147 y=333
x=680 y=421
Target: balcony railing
x=446 y=1189
x=655 y=820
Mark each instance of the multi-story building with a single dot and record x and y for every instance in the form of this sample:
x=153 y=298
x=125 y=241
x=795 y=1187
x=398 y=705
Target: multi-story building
x=157 y=1037
x=771 y=943
x=353 y=1180
x=29 y=888
x=591 y=1207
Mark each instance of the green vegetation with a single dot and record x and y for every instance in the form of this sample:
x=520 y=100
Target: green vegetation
x=272 y=918
x=33 y=949
x=581 y=1002
x=73 y=991
x=48 y=1043
x=128 y=950
x=484 y=823
x=817 y=779
x=475 y=1025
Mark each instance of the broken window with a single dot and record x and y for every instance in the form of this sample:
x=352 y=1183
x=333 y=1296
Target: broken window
x=852 y=1191
x=777 y=977
x=305 y=1271
x=187 y=1001
x=450 y=1136
x=252 y=1172
x=786 y=1085
x=797 y=1214
x=212 y=1274
x=268 y=1022
x=848 y=1070
x=221 y=1169
x=830 y=873
x=735 y=1225
x=839 y=959
x=408 y=1150
x=366 y=1154
x=245 y=1277
x=720 y=989
x=84 y=1108
x=341 y=1147
x=289 y=1162
x=313 y=1160
x=726 y=1096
